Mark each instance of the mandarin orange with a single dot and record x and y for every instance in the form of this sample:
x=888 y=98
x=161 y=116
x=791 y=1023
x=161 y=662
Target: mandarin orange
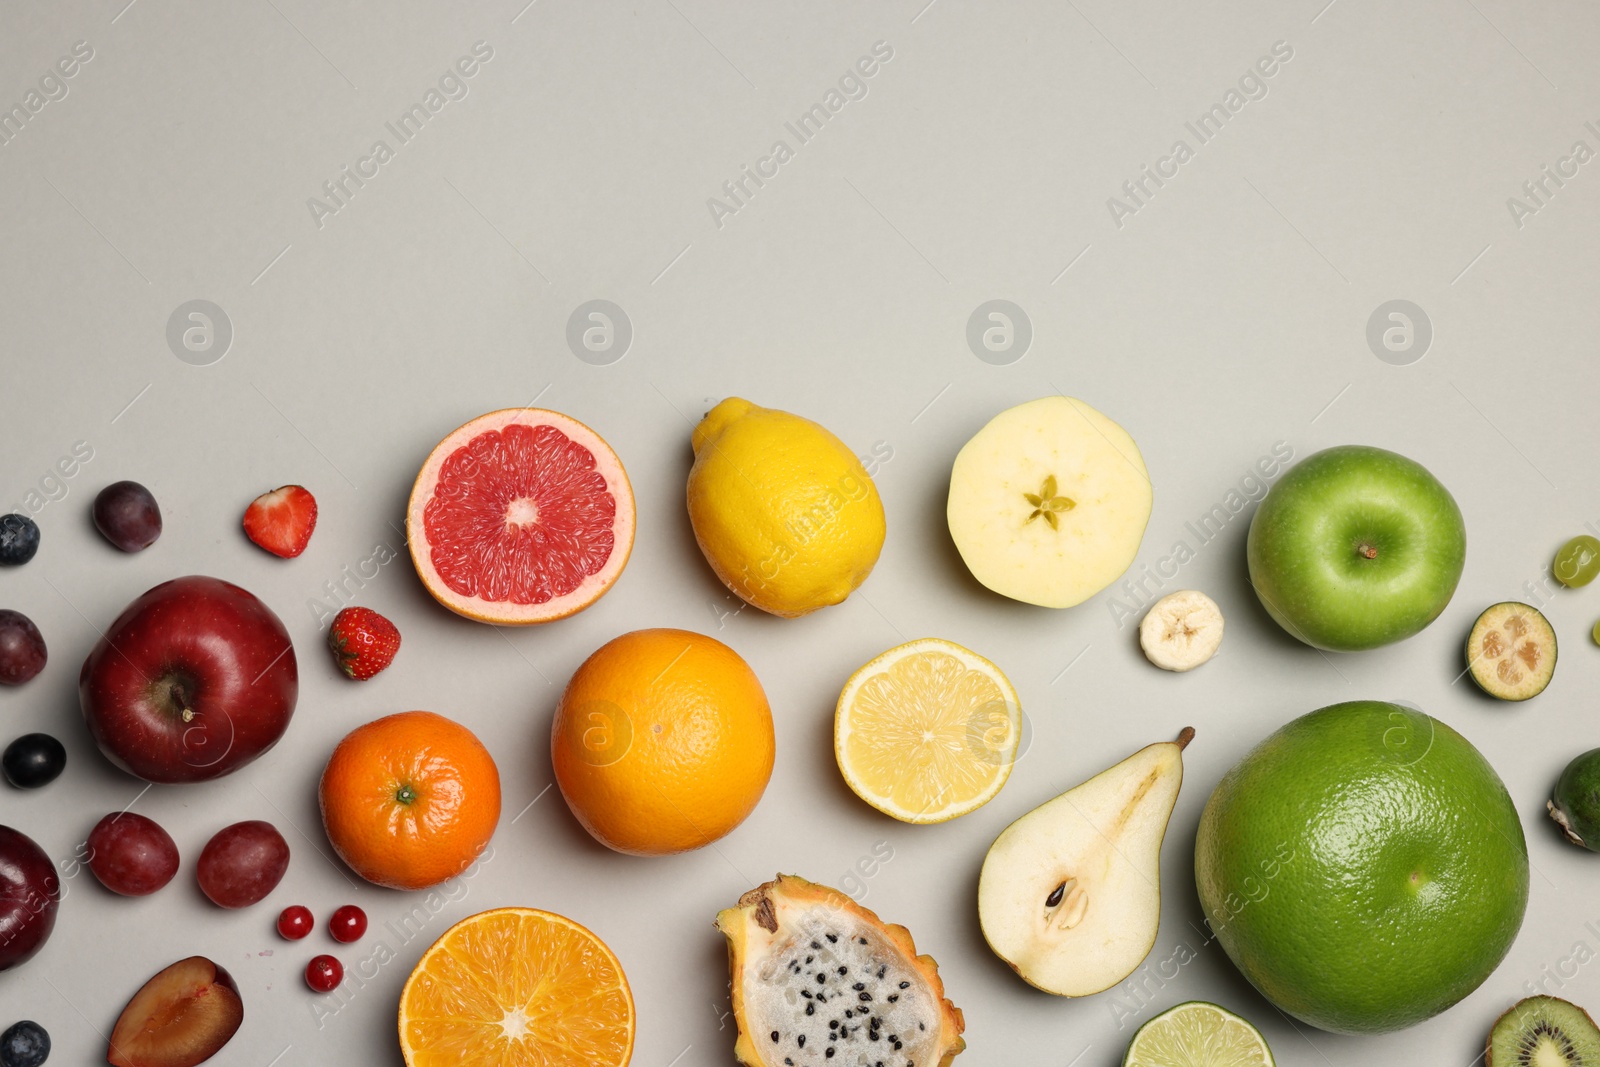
x=410 y=800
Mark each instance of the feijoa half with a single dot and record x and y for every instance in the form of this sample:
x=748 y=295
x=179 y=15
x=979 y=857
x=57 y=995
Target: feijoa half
x=1540 y=1031
x=1511 y=651
x=1575 y=802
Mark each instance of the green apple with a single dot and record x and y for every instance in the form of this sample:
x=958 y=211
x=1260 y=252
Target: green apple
x=1356 y=547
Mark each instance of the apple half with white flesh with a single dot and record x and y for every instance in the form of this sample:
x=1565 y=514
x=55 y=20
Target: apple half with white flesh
x=1048 y=502
x=1070 y=894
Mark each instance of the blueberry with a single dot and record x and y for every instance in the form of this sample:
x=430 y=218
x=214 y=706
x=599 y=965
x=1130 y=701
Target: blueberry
x=33 y=760
x=19 y=540
x=25 y=1044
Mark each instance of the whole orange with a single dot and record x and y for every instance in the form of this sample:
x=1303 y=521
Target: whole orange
x=410 y=800
x=662 y=742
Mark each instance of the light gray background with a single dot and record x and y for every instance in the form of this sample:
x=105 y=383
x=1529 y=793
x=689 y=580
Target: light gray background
x=1228 y=314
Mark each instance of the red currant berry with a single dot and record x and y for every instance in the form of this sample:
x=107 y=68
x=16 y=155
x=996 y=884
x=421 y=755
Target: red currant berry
x=324 y=973
x=295 y=922
x=348 y=924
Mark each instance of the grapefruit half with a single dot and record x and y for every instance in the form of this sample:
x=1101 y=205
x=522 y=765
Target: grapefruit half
x=520 y=516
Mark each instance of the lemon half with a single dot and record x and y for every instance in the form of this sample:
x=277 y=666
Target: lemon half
x=927 y=731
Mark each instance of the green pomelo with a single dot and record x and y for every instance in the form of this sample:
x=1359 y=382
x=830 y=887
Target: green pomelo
x=1363 y=867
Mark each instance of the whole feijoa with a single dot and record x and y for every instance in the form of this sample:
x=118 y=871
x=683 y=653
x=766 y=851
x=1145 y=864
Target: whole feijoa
x=1575 y=802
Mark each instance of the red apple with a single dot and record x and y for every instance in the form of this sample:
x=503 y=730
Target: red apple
x=194 y=680
x=29 y=894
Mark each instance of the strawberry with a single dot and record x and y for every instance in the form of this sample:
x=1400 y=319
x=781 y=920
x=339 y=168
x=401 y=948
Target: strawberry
x=363 y=642
x=281 y=521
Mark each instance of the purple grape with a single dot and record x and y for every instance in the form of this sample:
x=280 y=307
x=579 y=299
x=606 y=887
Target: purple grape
x=242 y=863
x=22 y=651
x=131 y=855
x=127 y=515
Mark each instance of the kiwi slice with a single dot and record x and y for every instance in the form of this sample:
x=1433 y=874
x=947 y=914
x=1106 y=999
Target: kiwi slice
x=1544 y=1032
x=1511 y=652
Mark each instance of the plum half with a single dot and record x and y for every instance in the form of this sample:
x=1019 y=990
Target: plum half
x=181 y=1017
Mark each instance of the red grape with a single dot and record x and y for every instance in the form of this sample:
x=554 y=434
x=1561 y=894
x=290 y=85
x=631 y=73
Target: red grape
x=242 y=863
x=127 y=515
x=22 y=651
x=348 y=924
x=324 y=973
x=131 y=854
x=295 y=922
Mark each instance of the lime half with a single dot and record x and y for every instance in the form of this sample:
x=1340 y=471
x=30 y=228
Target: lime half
x=1197 y=1034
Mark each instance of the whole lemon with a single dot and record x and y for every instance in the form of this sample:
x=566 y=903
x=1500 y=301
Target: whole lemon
x=784 y=512
x=1363 y=866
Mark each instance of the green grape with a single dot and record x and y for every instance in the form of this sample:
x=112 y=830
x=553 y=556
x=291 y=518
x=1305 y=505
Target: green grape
x=1577 y=562
x=1596 y=633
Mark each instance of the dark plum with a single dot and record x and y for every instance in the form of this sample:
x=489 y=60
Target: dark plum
x=30 y=892
x=131 y=855
x=242 y=863
x=22 y=651
x=127 y=515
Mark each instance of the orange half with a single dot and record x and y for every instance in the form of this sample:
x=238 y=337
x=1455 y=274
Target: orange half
x=516 y=987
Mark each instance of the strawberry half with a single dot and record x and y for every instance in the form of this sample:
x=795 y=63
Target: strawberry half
x=281 y=521
x=363 y=642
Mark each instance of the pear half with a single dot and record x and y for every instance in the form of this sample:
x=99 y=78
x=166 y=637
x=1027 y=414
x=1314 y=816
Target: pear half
x=1070 y=894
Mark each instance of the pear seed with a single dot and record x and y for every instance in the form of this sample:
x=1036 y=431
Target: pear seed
x=1072 y=912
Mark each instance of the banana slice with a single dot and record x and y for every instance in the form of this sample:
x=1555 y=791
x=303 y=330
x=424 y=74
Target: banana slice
x=1181 y=630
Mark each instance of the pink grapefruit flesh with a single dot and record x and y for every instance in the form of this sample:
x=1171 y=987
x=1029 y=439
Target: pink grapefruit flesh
x=520 y=516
